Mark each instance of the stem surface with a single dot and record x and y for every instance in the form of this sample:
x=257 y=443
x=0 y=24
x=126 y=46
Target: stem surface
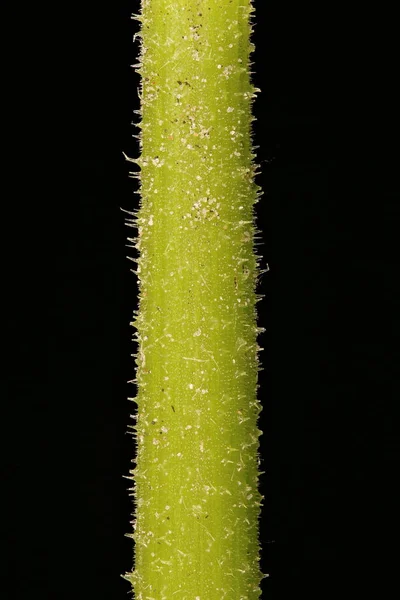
x=196 y=475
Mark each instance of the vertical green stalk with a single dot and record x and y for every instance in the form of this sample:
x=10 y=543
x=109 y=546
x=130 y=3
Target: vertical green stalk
x=196 y=494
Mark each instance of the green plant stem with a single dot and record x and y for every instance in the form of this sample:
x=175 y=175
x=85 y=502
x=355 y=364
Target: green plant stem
x=196 y=477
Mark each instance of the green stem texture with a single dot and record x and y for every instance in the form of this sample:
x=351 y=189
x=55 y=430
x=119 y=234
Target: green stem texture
x=197 y=502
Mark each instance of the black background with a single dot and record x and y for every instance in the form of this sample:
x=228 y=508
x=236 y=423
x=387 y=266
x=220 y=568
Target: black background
x=327 y=131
